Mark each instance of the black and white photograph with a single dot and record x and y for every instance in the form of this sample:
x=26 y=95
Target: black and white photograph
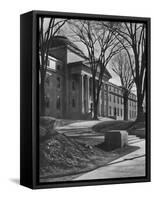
x=76 y=100
x=92 y=99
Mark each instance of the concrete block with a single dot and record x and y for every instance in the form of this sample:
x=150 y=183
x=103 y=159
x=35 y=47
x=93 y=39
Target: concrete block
x=124 y=138
x=115 y=139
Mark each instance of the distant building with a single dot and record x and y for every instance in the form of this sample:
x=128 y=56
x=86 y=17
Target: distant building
x=116 y=103
x=68 y=86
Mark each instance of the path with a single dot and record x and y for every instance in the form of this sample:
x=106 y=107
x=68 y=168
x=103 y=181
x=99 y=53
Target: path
x=81 y=127
x=130 y=165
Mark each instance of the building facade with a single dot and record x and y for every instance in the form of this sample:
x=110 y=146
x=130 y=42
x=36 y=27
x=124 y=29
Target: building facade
x=68 y=87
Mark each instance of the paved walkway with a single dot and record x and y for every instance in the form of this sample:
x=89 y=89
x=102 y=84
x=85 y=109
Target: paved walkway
x=81 y=127
x=85 y=124
x=130 y=165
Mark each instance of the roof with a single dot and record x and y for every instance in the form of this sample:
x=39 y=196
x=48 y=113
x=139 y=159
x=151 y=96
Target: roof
x=87 y=63
x=64 y=41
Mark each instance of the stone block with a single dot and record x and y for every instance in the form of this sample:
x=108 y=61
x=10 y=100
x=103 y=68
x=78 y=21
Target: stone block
x=115 y=139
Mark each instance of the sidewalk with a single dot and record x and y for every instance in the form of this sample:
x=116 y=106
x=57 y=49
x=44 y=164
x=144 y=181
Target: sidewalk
x=130 y=165
x=84 y=123
x=81 y=128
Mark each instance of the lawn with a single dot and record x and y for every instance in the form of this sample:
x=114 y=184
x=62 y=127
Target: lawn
x=63 y=158
x=133 y=128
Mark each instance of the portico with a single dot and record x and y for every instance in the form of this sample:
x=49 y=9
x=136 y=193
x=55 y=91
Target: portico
x=87 y=96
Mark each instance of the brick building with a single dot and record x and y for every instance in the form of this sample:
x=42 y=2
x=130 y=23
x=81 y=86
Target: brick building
x=68 y=86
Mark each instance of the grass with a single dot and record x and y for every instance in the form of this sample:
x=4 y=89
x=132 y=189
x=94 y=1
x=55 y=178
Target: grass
x=65 y=158
x=133 y=128
x=99 y=159
x=112 y=125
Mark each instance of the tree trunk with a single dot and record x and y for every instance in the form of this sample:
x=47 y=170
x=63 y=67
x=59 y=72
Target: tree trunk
x=125 y=95
x=95 y=103
x=140 y=113
x=95 y=111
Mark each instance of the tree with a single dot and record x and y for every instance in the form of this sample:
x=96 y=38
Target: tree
x=101 y=45
x=134 y=36
x=48 y=29
x=121 y=66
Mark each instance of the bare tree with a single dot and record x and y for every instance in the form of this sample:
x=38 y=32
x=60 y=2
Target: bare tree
x=48 y=28
x=134 y=36
x=101 y=45
x=121 y=66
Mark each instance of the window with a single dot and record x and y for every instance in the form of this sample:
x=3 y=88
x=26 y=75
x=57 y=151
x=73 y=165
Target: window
x=52 y=65
x=121 y=101
x=130 y=114
x=118 y=100
x=115 y=112
x=118 y=111
x=58 y=67
x=114 y=99
x=110 y=110
x=58 y=103
x=121 y=112
x=109 y=97
x=58 y=82
x=73 y=85
x=73 y=102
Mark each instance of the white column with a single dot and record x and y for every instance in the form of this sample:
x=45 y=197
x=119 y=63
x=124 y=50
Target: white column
x=82 y=92
x=88 y=97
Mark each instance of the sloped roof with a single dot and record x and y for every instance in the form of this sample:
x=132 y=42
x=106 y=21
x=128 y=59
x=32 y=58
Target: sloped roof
x=87 y=64
x=64 y=41
x=106 y=70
